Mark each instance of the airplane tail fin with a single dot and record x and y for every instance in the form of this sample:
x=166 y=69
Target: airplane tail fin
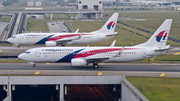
x=159 y=38
x=109 y=26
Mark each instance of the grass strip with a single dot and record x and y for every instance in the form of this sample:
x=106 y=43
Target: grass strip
x=157 y=89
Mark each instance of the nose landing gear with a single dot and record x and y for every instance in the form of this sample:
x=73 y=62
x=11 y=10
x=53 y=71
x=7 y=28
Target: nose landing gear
x=32 y=63
x=17 y=45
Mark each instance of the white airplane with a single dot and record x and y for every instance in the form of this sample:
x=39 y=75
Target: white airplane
x=53 y=39
x=82 y=56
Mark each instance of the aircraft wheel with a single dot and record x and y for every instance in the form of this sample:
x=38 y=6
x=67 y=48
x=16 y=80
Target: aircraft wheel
x=18 y=46
x=34 y=65
x=95 y=65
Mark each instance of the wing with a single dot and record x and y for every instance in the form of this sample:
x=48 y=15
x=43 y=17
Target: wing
x=104 y=58
x=69 y=39
x=98 y=59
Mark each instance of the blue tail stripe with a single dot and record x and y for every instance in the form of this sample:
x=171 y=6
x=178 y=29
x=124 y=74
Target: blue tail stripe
x=42 y=41
x=68 y=58
x=108 y=26
x=158 y=38
x=164 y=37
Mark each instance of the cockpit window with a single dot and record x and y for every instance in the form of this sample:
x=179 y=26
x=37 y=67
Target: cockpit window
x=13 y=36
x=27 y=52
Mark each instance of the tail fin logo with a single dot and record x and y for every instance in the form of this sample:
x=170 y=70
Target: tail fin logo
x=111 y=24
x=161 y=35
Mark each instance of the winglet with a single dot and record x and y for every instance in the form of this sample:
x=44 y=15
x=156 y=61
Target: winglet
x=80 y=35
x=77 y=30
x=113 y=44
x=120 y=52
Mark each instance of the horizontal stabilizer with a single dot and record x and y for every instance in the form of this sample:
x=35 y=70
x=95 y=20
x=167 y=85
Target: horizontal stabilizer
x=112 y=34
x=167 y=47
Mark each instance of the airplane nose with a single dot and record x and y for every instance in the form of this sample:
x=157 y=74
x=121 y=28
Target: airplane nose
x=20 y=56
x=9 y=40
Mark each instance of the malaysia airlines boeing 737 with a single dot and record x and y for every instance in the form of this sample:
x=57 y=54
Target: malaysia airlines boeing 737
x=53 y=39
x=82 y=56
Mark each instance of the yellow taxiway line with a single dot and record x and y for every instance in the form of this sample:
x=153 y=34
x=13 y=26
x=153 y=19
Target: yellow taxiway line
x=100 y=73
x=177 y=53
x=175 y=66
x=101 y=63
x=37 y=72
x=154 y=63
x=162 y=74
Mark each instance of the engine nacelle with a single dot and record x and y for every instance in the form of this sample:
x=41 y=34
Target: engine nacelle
x=50 y=43
x=78 y=62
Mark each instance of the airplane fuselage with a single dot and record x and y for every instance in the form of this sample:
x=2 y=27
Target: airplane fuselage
x=65 y=54
x=36 y=38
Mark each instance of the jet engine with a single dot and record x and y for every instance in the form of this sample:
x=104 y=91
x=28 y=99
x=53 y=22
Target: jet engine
x=50 y=43
x=78 y=62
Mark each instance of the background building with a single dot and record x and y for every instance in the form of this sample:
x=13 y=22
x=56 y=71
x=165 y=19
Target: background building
x=37 y=3
x=109 y=2
x=89 y=5
x=90 y=9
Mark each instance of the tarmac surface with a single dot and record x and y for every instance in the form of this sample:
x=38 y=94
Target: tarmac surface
x=105 y=69
x=14 y=49
x=57 y=27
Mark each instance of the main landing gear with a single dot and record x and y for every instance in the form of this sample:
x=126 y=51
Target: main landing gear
x=95 y=65
x=34 y=65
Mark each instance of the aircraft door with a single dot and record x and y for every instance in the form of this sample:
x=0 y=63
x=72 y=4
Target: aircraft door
x=143 y=53
x=37 y=53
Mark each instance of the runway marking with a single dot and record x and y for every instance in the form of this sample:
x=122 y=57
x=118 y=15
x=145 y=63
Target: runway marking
x=154 y=63
x=47 y=63
x=175 y=65
x=100 y=73
x=162 y=74
x=102 y=63
x=177 y=53
x=37 y=72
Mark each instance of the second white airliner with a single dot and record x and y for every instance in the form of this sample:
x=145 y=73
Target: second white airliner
x=82 y=56
x=53 y=39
